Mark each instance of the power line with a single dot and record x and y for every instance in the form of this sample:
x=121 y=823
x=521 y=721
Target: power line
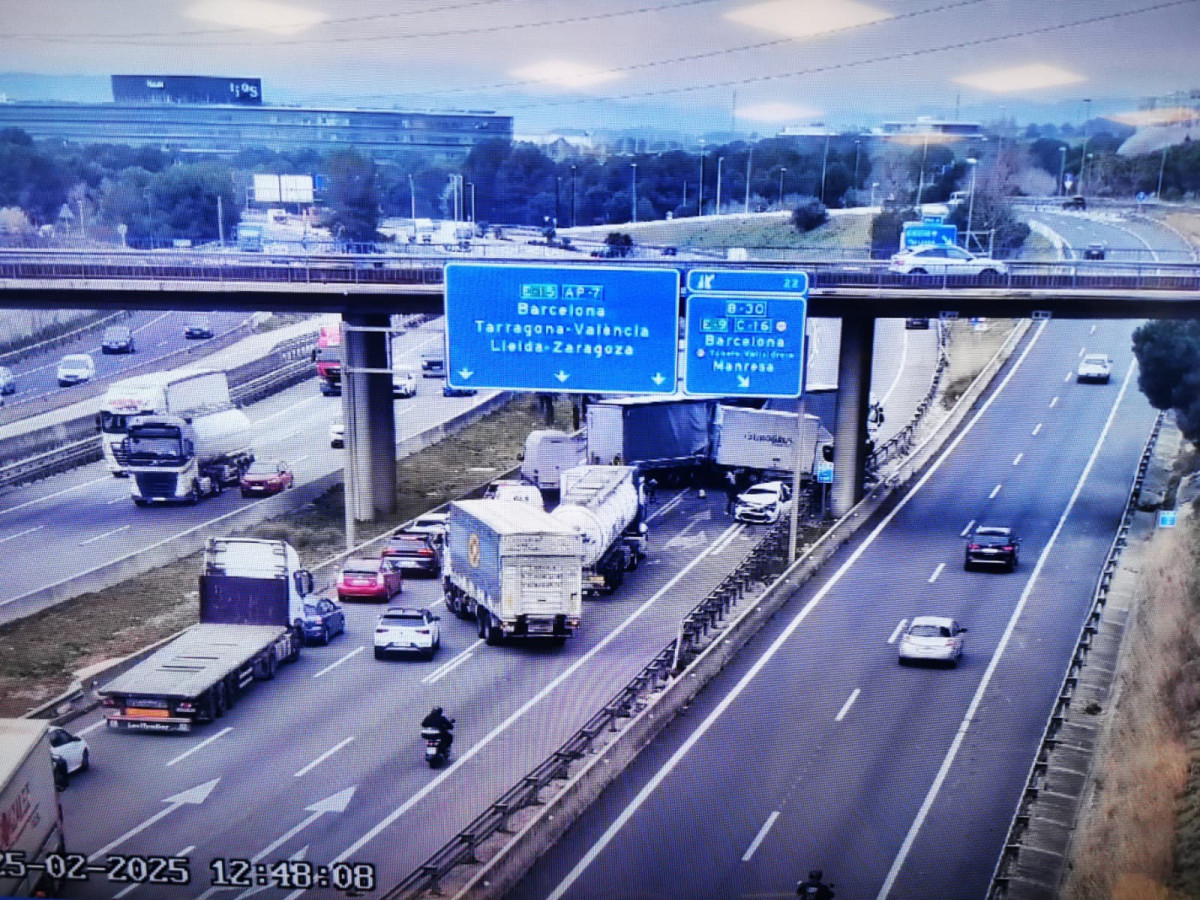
x=890 y=57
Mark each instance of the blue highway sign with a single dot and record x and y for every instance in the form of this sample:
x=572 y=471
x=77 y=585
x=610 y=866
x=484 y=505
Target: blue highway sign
x=824 y=472
x=593 y=329
x=747 y=281
x=745 y=345
x=1167 y=518
x=918 y=234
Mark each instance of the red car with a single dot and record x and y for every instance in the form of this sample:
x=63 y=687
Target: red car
x=369 y=578
x=266 y=477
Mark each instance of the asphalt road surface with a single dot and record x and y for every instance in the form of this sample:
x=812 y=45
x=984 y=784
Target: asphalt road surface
x=815 y=749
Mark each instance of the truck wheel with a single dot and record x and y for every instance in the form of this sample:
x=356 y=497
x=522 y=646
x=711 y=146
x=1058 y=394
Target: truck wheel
x=266 y=667
x=85 y=762
x=298 y=642
x=193 y=496
x=378 y=653
x=218 y=700
x=481 y=617
x=138 y=501
x=494 y=635
x=231 y=692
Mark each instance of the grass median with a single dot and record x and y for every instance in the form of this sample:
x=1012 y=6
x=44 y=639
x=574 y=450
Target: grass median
x=40 y=654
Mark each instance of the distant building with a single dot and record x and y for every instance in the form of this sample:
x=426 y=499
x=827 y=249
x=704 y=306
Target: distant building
x=926 y=125
x=221 y=116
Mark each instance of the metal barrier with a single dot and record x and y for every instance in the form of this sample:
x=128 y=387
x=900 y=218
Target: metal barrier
x=766 y=560
x=20 y=353
x=1041 y=763
x=901 y=442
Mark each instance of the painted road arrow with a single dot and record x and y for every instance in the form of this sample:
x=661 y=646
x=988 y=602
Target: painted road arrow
x=192 y=797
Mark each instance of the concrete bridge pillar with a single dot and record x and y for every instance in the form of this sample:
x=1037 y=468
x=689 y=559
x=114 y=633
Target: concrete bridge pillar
x=369 y=416
x=853 y=400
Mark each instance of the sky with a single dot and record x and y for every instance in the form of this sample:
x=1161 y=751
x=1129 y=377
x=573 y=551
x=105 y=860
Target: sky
x=690 y=66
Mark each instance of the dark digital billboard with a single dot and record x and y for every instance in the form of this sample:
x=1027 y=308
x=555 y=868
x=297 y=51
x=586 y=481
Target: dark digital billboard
x=202 y=89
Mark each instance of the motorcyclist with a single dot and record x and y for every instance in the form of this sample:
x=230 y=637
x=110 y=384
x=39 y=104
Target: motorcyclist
x=437 y=719
x=814 y=888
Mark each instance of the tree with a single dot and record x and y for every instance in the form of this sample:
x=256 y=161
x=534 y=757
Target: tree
x=353 y=195
x=1168 y=354
x=810 y=213
x=618 y=244
x=886 y=228
x=184 y=201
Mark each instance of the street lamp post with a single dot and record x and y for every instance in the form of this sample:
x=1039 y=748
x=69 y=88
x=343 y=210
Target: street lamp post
x=472 y=201
x=572 y=196
x=1083 y=151
x=857 y=145
x=874 y=185
x=633 y=167
x=974 y=164
x=921 y=178
x=1162 y=167
x=1083 y=170
x=412 y=197
x=700 y=195
x=824 y=165
x=749 y=158
x=720 y=163
x=557 y=185
x=1062 y=169
x=782 y=172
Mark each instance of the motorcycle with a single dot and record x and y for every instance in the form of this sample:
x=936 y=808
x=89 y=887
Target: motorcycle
x=437 y=746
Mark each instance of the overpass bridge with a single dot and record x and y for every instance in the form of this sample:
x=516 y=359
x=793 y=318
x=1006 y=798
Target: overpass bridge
x=367 y=289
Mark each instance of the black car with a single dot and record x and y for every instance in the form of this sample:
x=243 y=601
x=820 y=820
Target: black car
x=992 y=545
x=415 y=551
x=1094 y=251
x=916 y=322
x=197 y=327
x=1076 y=202
x=448 y=391
x=117 y=339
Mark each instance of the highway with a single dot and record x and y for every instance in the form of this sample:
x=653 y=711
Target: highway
x=88 y=513
x=898 y=782
x=340 y=720
x=156 y=334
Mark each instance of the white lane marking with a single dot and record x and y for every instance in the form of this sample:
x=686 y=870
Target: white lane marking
x=899 y=370
x=967 y=530
x=133 y=887
x=411 y=350
x=1082 y=350
x=1092 y=330
x=200 y=746
x=1054 y=403
x=666 y=507
x=729 y=699
x=721 y=544
x=56 y=494
x=191 y=797
x=1017 y=459
x=92 y=727
x=162 y=343
x=846 y=706
x=1036 y=429
x=324 y=756
x=100 y=537
x=899 y=631
x=995 y=491
x=13 y=537
x=329 y=668
x=287 y=409
x=446 y=670
x=443 y=669
x=961 y=734
x=517 y=716
x=936 y=572
x=1068 y=377
x=761 y=836
x=121 y=499
x=300 y=459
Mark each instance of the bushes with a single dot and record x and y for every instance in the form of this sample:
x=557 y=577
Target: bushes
x=809 y=214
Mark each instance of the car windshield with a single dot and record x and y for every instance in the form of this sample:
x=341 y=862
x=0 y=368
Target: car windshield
x=362 y=569
x=116 y=334
x=761 y=492
x=929 y=631
x=311 y=610
x=403 y=618
x=992 y=532
x=263 y=467
x=430 y=522
x=75 y=362
x=1095 y=360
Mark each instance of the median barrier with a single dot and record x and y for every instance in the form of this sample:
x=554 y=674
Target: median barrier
x=661 y=698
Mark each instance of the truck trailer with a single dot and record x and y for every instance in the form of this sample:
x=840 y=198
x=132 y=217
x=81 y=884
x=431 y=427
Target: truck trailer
x=666 y=436
x=513 y=568
x=173 y=460
x=30 y=816
x=603 y=505
x=767 y=442
x=251 y=620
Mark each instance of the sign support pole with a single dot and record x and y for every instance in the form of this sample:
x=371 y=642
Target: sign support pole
x=796 y=463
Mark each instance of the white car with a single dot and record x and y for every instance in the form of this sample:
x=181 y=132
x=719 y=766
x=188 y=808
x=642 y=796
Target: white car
x=764 y=503
x=75 y=368
x=1094 y=367
x=404 y=382
x=71 y=749
x=943 y=259
x=337 y=433
x=932 y=639
x=433 y=524
x=406 y=630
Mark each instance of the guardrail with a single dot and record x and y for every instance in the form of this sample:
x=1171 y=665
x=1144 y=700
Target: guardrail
x=901 y=442
x=402 y=270
x=20 y=353
x=1010 y=855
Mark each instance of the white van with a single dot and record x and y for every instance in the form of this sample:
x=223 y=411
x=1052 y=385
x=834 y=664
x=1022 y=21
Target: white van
x=517 y=491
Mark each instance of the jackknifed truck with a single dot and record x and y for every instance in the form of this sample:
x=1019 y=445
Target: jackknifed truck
x=603 y=505
x=251 y=620
x=30 y=816
x=513 y=568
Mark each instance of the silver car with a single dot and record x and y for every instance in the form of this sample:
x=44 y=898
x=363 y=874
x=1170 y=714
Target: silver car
x=932 y=639
x=8 y=381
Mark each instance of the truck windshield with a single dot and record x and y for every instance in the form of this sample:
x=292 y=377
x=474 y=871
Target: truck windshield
x=160 y=447
x=114 y=423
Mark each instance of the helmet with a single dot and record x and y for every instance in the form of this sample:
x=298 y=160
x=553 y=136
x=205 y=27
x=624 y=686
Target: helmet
x=815 y=875
x=437 y=711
